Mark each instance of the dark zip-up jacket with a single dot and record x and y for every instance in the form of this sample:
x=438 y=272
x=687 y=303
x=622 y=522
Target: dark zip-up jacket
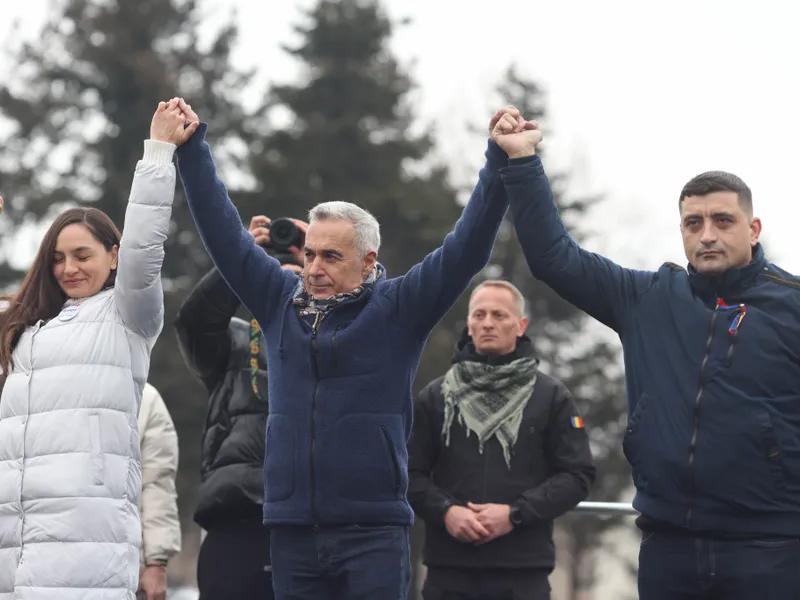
x=551 y=471
x=712 y=371
x=340 y=394
x=216 y=347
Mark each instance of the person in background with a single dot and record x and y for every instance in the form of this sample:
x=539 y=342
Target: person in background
x=498 y=451
x=75 y=345
x=161 y=524
x=228 y=355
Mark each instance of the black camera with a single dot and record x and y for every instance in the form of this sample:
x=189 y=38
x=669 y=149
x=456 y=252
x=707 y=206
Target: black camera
x=284 y=234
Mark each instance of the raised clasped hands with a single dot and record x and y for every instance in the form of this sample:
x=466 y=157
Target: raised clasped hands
x=170 y=122
x=516 y=136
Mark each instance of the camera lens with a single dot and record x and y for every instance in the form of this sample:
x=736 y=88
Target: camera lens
x=284 y=233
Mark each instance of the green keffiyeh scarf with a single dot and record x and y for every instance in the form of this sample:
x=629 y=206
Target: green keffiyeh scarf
x=489 y=399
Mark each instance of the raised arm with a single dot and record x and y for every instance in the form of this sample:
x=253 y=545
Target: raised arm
x=431 y=287
x=587 y=280
x=137 y=289
x=255 y=277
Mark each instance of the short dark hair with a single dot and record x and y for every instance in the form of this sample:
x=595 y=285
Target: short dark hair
x=719 y=181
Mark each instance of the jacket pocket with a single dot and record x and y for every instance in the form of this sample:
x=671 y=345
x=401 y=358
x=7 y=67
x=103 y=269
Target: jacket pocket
x=393 y=462
x=366 y=460
x=96 y=446
x=279 y=482
x=631 y=443
x=772 y=450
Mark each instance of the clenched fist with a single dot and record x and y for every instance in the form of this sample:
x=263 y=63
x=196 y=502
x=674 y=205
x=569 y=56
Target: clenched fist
x=516 y=136
x=168 y=124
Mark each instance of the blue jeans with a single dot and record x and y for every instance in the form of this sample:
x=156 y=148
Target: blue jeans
x=350 y=562
x=675 y=567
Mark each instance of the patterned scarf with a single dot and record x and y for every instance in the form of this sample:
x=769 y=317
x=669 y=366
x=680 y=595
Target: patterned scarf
x=489 y=399
x=315 y=310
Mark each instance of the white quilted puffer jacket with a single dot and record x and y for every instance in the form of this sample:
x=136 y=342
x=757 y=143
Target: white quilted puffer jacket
x=70 y=478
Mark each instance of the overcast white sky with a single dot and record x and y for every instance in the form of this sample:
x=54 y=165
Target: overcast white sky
x=642 y=95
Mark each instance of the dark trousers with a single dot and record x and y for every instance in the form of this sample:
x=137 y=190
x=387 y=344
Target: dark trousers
x=486 y=584
x=340 y=563
x=676 y=567
x=234 y=562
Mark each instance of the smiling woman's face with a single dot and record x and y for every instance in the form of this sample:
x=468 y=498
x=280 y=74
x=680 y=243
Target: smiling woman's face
x=81 y=264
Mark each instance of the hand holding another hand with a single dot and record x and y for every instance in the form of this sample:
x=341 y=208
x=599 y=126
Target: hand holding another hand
x=462 y=524
x=169 y=122
x=516 y=136
x=495 y=518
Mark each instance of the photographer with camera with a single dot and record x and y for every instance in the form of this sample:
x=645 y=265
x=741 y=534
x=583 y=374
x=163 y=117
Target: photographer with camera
x=228 y=355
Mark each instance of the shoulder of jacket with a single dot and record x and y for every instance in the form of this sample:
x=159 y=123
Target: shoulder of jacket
x=672 y=267
x=432 y=391
x=550 y=385
x=149 y=395
x=774 y=274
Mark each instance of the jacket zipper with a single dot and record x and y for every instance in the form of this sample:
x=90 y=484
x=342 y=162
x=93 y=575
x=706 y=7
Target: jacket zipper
x=486 y=473
x=314 y=358
x=738 y=317
x=696 y=420
x=333 y=347
x=395 y=464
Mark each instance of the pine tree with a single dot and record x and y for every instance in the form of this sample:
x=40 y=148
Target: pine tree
x=79 y=107
x=562 y=336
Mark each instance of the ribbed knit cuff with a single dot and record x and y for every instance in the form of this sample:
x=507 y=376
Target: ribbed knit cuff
x=157 y=562
x=158 y=153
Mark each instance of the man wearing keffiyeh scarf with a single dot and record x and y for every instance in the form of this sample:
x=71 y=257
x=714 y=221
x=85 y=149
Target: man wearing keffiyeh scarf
x=498 y=451
x=489 y=399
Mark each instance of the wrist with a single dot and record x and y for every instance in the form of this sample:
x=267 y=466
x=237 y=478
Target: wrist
x=157 y=562
x=446 y=506
x=158 y=152
x=515 y=516
x=522 y=153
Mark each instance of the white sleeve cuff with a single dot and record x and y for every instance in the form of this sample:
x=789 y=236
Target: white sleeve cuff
x=158 y=153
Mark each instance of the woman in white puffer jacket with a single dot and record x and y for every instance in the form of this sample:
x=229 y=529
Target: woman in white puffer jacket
x=75 y=345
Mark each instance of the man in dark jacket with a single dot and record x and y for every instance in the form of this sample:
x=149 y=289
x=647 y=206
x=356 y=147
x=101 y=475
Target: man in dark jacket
x=228 y=355
x=712 y=356
x=343 y=347
x=498 y=451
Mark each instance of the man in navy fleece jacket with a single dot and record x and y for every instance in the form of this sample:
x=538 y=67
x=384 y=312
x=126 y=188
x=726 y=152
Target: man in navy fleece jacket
x=712 y=357
x=343 y=347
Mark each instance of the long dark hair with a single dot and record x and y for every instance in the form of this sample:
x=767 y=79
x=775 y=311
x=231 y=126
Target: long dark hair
x=40 y=297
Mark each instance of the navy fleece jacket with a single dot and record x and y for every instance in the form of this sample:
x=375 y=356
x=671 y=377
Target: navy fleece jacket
x=340 y=401
x=712 y=371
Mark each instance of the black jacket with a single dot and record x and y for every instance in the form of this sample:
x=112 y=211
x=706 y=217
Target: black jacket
x=551 y=471
x=216 y=347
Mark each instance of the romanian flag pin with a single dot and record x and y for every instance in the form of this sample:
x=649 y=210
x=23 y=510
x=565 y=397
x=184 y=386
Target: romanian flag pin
x=576 y=422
